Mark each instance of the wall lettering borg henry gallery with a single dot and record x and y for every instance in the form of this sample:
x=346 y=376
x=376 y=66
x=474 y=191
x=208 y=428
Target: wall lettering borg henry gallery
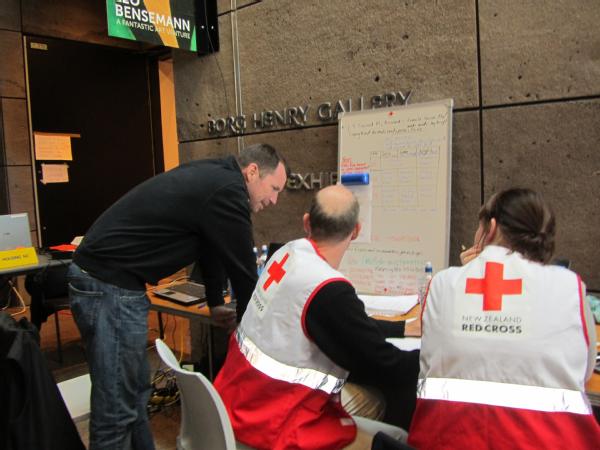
x=298 y=116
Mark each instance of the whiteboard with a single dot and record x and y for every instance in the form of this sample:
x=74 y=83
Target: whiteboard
x=405 y=209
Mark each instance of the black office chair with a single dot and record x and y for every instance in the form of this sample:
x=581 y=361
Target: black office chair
x=382 y=441
x=49 y=293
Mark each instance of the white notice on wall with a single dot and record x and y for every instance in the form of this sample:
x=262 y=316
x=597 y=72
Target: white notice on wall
x=52 y=146
x=55 y=173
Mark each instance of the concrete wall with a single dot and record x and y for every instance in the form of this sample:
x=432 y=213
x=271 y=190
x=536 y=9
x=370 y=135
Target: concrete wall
x=524 y=76
x=16 y=187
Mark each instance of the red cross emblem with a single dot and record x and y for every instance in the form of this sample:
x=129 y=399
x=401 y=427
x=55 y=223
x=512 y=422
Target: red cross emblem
x=276 y=272
x=493 y=286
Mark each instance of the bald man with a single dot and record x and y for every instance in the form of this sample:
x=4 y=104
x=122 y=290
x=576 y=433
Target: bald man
x=304 y=331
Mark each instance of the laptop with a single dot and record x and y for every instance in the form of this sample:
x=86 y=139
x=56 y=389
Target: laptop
x=14 y=231
x=187 y=293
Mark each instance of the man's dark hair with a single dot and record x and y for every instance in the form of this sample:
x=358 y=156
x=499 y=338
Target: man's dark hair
x=332 y=227
x=527 y=222
x=264 y=156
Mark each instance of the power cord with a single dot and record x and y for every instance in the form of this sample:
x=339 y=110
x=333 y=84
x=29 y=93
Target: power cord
x=21 y=301
x=165 y=392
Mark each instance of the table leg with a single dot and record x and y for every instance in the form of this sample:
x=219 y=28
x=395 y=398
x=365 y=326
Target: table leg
x=161 y=330
x=210 y=352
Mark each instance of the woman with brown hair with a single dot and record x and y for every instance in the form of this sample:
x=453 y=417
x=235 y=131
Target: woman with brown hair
x=508 y=340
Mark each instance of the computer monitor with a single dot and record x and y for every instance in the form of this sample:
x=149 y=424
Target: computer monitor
x=14 y=231
x=273 y=247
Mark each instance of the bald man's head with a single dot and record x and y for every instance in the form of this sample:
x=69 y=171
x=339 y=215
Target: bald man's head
x=333 y=214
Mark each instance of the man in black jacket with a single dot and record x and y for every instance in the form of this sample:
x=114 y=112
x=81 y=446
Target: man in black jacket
x=198 y=212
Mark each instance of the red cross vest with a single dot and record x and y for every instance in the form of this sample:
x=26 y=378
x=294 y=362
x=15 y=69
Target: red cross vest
x=279 y=389
x=504 y=357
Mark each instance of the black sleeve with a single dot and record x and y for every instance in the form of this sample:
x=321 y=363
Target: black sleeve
x=338 y=324
x=390 y=329
x=228 y=228
x=213 y=274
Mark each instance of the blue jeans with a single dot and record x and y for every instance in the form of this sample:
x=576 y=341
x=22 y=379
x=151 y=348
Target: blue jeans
x=114 y=326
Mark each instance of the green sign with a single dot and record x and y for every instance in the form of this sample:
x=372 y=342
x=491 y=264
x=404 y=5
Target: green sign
x=163 y=22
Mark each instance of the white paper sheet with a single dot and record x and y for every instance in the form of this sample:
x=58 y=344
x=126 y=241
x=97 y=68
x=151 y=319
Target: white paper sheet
x=55 y=173
x=388 y=305
x=408 y=343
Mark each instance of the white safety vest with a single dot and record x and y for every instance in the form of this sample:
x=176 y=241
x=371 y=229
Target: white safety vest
x=524 y=315
x=275 y=315
x=280 y=389
x=502 y=331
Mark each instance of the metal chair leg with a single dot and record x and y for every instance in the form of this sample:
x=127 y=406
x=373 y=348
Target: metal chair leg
x=211 y=349
x=58 y=343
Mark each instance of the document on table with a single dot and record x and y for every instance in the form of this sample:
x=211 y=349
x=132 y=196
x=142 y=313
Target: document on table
x=407 y=344
x=388 y=305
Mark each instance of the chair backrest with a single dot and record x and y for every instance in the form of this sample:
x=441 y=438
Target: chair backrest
x=204 y=419
x=50 y=282
x=564 y=262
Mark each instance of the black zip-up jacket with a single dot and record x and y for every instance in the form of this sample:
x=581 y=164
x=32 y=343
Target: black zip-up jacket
x=338 y=324
x=34 y=415
x=197 y=212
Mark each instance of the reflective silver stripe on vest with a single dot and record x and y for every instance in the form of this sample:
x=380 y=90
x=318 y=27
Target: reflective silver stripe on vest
x=310 y=378
x=503 y=394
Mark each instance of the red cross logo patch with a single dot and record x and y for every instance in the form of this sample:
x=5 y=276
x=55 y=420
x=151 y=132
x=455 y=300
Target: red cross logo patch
x=493 y=286
x=276 y=272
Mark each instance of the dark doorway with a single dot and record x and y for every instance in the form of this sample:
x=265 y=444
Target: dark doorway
x=103 y=95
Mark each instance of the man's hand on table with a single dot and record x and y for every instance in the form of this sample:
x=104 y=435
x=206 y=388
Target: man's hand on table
x=224 y=317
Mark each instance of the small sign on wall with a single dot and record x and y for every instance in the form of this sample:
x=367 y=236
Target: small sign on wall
x=52 y=146
x=162 y=22
x=55 y=173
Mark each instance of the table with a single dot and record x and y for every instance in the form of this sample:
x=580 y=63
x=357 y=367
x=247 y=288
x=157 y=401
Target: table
x=192 y=312
x=203 y=314
x=44 y=261
x=37 y=311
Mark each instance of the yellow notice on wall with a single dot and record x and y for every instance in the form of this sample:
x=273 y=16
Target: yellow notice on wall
x=18 y=257
x=53 y=146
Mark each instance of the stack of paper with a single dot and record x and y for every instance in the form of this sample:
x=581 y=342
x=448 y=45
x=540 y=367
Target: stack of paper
x=379 y=305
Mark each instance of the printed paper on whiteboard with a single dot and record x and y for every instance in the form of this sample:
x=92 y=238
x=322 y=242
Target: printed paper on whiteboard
x=55 y=173
x=364 y=194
